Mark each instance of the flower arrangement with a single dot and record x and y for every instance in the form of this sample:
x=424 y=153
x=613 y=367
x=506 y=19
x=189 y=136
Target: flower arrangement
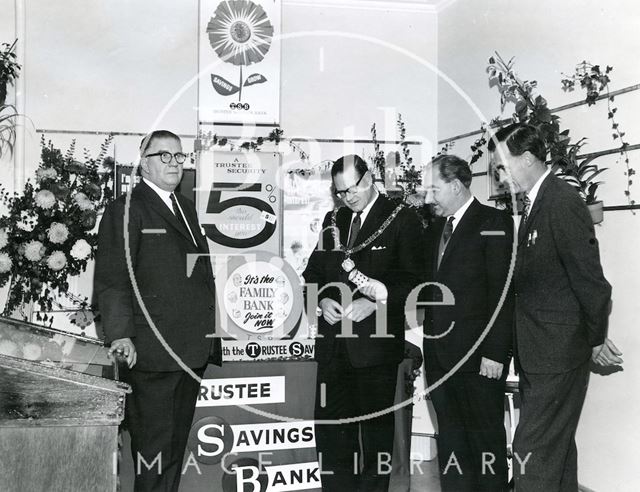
x=406 y=172
x=46 y=234
x=411 y=176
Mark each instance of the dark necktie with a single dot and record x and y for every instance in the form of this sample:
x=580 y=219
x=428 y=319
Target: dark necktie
x=355 y=229
x=525 y=215
x=178 y=214
x=447 y=231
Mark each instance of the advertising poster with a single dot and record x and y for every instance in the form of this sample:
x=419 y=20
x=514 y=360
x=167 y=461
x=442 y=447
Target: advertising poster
x=239 y=201
x=259 y=298
x=239 y=61
x=253 y=429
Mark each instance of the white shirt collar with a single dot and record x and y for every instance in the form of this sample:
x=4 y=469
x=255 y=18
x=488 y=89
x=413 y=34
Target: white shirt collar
x=536 y=188
x=366 y=210
x=164 y=195
x=460 y=212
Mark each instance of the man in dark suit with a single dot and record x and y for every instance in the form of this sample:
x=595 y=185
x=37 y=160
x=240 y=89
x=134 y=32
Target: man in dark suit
x=561 y=310
x=469 y=249
x=357 y=376
x=155 y=311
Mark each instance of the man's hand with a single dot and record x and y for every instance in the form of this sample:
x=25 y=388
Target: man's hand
x=606 y=354
x=125 y=347
x=331 y=310
x=360 y=309
x=490 y=368
x=375 y=290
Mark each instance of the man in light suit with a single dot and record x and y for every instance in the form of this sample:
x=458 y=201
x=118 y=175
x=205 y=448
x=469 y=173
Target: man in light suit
x=357 y=376
x=561 y=310
x=141 y=265
x=469 y=250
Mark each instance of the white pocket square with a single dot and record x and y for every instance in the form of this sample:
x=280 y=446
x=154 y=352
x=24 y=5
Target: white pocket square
x=378 y=248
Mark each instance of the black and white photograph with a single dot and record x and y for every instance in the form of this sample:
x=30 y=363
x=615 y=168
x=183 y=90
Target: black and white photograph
x=319 y=245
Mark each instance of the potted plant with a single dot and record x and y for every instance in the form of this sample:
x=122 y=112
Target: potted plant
x=9 y=69
x=595 y=82
x=531 y=109
x=582 y=176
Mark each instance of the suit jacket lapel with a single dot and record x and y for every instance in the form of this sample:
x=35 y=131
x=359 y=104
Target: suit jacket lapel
x=374 y=218
x=433 y=248
x=460 y=231
x=156 y=203
x=194 y=225
x=343 y=222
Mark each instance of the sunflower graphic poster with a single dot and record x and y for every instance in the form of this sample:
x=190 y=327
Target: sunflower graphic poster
x=239 y=61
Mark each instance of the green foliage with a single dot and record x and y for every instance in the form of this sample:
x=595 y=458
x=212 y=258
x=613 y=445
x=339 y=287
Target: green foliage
x=594 y=82
x=411 y=176
x=379 y=161
x=582 y=175
x=210 y=139
x=563 y=154
x=9 y=68
x=8 y=118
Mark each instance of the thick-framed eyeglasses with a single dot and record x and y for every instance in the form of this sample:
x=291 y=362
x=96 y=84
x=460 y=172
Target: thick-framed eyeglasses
x=166 y=156
x=352 y=190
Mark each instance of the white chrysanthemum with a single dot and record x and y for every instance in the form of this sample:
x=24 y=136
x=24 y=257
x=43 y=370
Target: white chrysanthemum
x=33 y=250
x=5 y=263
x=27 y=222
x=56 y=261
x=46 y=173
x=9 y=347
x=83 y=201
x=31 y=351
x=45 y=199
x=80 y=250
x=58 y=233
x=4 y=238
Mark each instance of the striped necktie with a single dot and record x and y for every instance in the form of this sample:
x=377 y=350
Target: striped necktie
x=526 y=208
x=525 y=215
x=447 y=232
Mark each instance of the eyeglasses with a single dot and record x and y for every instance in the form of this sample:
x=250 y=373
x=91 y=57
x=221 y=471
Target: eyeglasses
x=166 y=156
x=352 y=190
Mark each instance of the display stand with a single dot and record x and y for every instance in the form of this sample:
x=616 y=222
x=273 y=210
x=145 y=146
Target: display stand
x=58 y=426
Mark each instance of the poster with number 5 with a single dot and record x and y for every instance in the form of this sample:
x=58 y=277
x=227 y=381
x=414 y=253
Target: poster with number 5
x=239 y=201
x=239 y=61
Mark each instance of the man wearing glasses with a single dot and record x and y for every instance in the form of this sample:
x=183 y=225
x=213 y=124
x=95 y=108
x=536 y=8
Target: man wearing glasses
x=154 y=312
x=372 y=245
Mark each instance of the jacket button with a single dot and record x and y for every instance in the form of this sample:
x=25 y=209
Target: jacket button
x=211 y=307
